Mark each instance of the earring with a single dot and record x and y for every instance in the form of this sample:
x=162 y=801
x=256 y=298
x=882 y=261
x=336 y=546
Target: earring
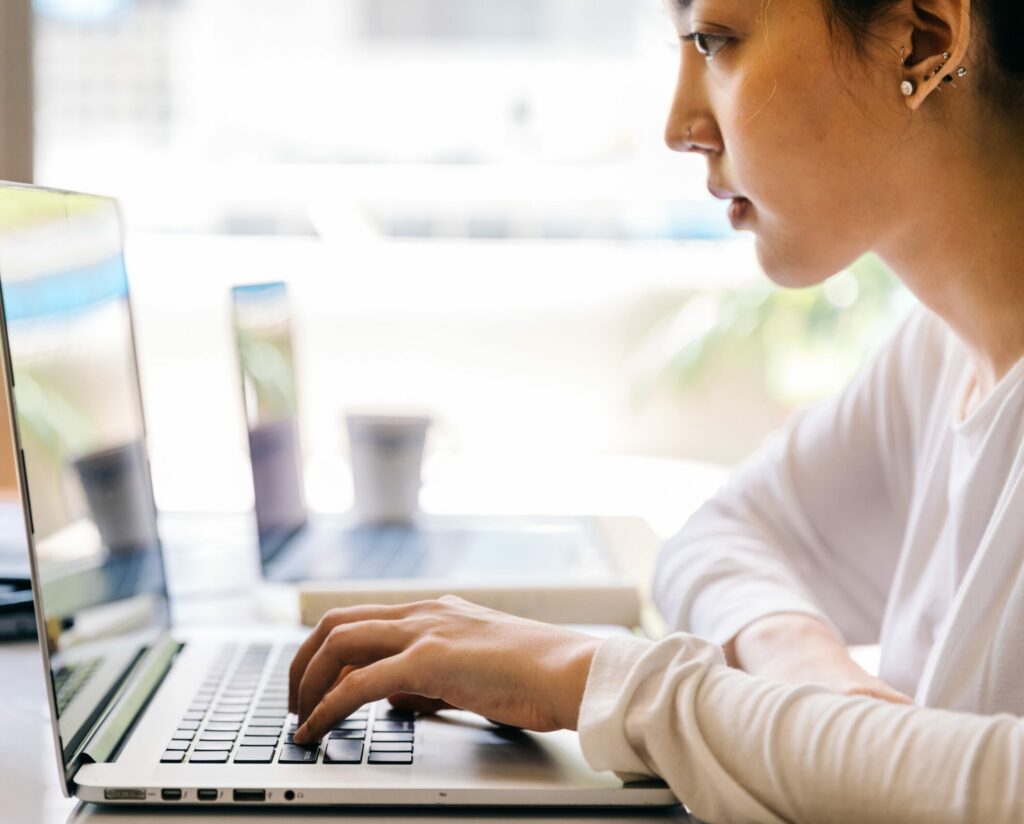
x=907 y=88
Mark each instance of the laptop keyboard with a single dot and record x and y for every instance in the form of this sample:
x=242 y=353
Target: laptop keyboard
x=239 y=715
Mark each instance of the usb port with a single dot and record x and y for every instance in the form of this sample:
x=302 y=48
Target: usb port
x=124 y=795
x=206 y=795
x=250 y=795
x=169 y=794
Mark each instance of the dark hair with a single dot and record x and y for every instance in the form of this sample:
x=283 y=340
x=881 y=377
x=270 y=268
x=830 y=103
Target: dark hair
x=1001 y=23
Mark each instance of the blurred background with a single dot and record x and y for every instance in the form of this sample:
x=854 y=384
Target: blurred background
x=473 y=208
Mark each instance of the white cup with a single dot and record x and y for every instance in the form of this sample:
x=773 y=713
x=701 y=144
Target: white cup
x=387 y=459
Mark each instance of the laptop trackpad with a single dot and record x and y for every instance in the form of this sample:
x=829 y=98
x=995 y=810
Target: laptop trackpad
x=472 y=751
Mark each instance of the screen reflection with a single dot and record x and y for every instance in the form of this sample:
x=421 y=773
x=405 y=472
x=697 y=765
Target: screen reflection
x=79 y=417
x=263 y=336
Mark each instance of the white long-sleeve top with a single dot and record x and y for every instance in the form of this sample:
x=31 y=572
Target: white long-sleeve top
x=736 y=748
x=887 y=512
x=896 y=512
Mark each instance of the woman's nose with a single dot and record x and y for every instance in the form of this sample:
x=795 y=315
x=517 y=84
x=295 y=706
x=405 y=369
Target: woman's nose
x=691 y=126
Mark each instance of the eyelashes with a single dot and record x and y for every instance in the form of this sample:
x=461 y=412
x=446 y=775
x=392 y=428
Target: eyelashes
x=707 y=44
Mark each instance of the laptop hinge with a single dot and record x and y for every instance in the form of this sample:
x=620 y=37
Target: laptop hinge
x=130 y=700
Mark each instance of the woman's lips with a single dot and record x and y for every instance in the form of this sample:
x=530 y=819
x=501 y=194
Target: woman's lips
x=740 y=210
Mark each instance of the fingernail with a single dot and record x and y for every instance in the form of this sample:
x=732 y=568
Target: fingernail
x=300 y=734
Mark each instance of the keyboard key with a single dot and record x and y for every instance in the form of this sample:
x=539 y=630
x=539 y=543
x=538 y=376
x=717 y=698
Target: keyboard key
x=344 y=734
x=172 y=757
x=209 y=757
x=274 y=732
x=218 y=735
x=193 y=716
x=214 y=746
x=393 y=736
x=353 y=724
x=389 y=746
x=390 y=757
x=294 y=754
x=343 y=751
x=254 y=755
x=188 y=725
x=393 y=726
x=224 y=726
x=184 y=735
x=234 y=718
x=259 y=741
x=178 y=745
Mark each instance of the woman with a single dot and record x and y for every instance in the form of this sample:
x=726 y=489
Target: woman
x=894 y=512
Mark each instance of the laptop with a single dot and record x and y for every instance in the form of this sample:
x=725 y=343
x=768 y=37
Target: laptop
x=141 y=713
x=296 y=545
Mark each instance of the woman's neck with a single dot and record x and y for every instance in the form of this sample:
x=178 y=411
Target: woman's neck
x=962 y=253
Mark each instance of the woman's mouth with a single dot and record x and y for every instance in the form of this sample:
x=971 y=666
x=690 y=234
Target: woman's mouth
x=740 y=210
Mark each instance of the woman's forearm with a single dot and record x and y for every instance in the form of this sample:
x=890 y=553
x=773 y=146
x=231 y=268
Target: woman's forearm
x=739 y=748
x=801 y=649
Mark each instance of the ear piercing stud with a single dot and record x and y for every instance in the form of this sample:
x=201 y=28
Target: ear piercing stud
x=961 y=71
x=907 y=87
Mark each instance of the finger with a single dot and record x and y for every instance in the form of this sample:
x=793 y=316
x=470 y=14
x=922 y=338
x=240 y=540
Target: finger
x=362 y=686
x=417 y=703
x=348 y=644
x=331 y=619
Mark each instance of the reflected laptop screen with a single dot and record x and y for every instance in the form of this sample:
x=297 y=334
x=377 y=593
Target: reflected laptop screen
x=71 y=353
x=261 y=317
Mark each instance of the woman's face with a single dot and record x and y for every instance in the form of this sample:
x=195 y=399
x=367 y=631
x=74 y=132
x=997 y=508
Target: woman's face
x=802 y=133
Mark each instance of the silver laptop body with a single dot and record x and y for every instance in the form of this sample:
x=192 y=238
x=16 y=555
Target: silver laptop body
x=140 y=713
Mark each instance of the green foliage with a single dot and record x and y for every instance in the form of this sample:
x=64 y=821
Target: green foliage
x=800 y=344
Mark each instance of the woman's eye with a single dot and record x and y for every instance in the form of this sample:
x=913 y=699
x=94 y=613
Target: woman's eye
x=708 y=45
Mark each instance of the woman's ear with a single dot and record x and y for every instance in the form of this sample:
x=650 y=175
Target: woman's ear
x=935 y=37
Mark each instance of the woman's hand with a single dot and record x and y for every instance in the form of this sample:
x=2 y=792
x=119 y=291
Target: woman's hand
x=510 y=670
x=800 y=649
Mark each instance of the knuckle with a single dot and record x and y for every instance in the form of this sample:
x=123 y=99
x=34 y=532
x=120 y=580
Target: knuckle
x=425 y=649
x=337 y=635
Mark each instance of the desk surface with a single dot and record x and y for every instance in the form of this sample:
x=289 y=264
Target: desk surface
x=29 y=791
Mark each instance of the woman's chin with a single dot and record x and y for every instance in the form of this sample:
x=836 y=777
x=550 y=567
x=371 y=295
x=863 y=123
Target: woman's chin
x=789 y=270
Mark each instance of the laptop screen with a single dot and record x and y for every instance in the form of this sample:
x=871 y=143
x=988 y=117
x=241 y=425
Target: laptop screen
x=263 y=337
x=78 y=410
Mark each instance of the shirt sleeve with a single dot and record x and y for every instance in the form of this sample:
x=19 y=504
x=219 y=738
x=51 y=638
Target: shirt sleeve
x=734 y=747
x=813 y=521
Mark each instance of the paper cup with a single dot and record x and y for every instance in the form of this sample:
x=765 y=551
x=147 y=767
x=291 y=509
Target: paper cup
x=387 y=459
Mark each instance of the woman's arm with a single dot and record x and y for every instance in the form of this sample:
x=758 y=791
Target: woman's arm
x=739 y=748
x=733 y=747
x=800 y=649
x=812 y=523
